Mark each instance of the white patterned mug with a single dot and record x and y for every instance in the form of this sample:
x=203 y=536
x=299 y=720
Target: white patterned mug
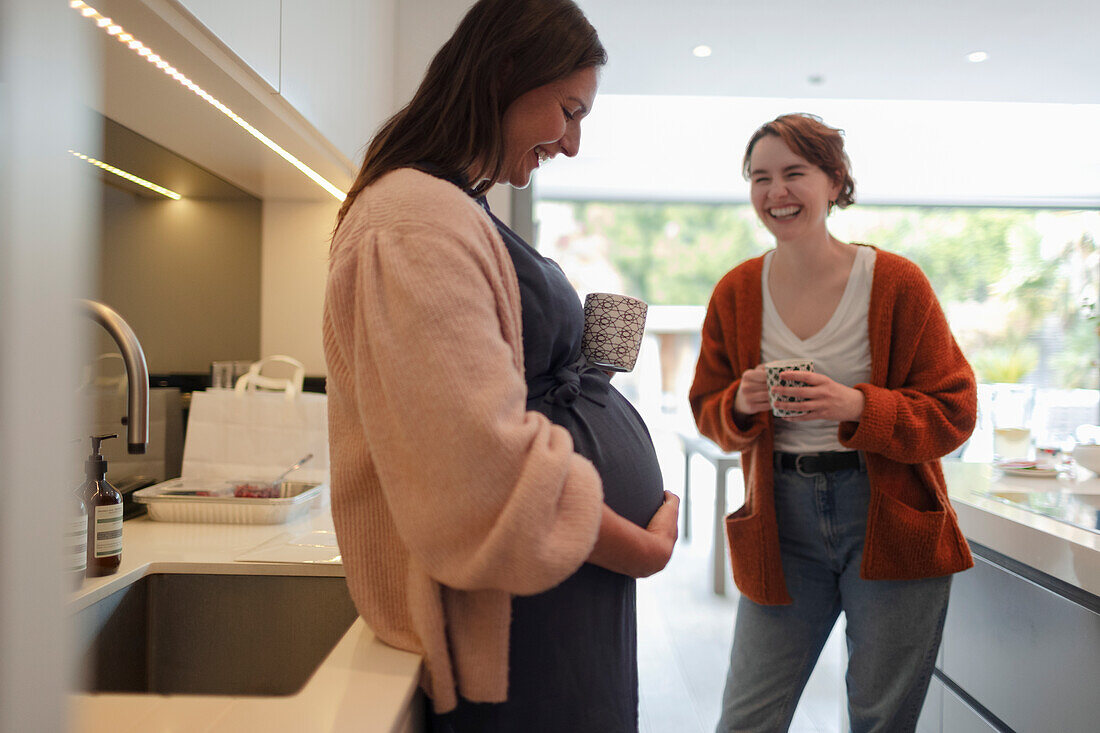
x=613 y=329
x=773 y=370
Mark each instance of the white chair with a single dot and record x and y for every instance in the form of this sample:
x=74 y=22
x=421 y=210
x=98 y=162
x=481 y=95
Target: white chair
x=694 y=444
x=255 y=380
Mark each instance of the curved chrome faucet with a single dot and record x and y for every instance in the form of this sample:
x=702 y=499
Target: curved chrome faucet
x=137 y=373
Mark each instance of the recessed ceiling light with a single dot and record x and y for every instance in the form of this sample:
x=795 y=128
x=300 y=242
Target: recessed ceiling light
x=128 y=176
x=977 y=57
x=701 y=51
x=115 y=30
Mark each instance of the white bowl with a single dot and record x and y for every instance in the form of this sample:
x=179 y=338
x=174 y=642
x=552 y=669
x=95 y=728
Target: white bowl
x=1088 y=455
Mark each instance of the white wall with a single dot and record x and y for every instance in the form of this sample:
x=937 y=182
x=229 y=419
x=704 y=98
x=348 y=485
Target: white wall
x=422 y=27
x=296 y=234
x=293 y=270
x=292 y=279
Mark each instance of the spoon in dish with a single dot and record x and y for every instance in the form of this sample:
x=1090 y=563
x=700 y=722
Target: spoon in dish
x=301 y=461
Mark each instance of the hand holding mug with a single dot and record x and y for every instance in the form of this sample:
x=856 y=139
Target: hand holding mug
x=752 y=395
x=782 y=376
x=821 y=398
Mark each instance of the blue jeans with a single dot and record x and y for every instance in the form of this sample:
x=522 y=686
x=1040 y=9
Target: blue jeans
x=893 y=627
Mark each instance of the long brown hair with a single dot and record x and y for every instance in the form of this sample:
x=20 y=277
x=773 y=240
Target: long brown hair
x=808 y=136
x=500 y=50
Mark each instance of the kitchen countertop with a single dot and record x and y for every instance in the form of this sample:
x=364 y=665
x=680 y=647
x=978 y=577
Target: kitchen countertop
x=990 y=507
x=362 y=685
x=365 y=685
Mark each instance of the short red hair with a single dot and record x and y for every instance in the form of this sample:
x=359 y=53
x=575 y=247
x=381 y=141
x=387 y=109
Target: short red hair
x=810 y=138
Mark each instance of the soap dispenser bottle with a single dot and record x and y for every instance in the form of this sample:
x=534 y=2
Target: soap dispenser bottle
x=104 y=506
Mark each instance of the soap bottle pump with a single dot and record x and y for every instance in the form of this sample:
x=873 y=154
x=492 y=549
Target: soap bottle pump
x=104 y=506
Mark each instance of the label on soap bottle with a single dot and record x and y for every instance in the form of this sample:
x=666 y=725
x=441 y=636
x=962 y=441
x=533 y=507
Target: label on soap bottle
x=108 y=530
x=76 y=544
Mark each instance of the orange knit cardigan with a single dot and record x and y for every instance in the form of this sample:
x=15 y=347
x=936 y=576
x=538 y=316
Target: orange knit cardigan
x=921 y=403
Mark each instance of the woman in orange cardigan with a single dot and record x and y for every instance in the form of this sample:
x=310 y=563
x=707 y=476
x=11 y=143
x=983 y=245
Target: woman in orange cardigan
x=846 y=507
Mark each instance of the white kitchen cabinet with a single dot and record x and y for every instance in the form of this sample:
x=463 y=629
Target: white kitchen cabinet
x=337 y=67
x=332 y=60
x=1022 y=646
x=249 y=28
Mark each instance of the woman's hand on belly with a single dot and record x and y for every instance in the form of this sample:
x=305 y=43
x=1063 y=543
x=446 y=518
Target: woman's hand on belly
x=665 y=529
x=624 y=547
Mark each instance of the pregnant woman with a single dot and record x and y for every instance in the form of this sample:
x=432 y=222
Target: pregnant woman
x=494 y=496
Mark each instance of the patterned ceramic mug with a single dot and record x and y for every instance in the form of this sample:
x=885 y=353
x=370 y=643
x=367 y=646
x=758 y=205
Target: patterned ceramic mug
x=774 y=369
x=613 y=328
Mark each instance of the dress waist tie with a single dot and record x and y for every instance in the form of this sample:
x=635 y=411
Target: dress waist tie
x=562 y=388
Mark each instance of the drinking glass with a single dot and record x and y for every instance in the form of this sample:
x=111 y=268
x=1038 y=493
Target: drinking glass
x=1012 y=406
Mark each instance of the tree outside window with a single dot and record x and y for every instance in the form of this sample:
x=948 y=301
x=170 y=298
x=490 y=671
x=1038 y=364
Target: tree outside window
x=1020 y=286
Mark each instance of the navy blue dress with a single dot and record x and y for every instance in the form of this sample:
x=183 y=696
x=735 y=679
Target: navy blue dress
x=573 y=656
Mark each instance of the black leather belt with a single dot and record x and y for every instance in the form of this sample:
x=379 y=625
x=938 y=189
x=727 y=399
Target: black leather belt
x=828 y=462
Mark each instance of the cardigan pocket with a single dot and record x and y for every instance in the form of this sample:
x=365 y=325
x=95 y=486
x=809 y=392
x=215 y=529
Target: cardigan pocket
x=745 y=534
x=901 y=541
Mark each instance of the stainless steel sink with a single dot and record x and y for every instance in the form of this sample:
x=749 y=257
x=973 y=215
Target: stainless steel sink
x=212 y=634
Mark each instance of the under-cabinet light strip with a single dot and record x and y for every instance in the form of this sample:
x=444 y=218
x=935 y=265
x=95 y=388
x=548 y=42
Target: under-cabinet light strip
x=113 y=29
x=128 y=176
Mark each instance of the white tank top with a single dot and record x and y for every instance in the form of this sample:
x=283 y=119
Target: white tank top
x=841 y=350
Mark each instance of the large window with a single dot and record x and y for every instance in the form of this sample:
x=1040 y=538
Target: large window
x=1020 y=286
x=999 y=204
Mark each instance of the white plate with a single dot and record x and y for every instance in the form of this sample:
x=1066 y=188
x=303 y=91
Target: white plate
x=1033 y=472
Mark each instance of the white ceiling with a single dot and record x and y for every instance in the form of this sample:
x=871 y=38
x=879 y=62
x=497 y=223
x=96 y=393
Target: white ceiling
x=924 y=125
x=903 y=151
x=863 y=50
x=886 y=49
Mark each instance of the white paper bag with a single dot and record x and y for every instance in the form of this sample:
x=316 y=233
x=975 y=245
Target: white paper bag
x=238 y=435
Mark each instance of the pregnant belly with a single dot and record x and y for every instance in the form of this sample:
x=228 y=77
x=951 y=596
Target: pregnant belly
x=614 y=437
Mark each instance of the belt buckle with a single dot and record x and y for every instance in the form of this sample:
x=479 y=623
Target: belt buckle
x=798 y=465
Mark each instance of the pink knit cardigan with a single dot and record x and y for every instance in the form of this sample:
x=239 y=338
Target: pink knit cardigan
x=448 y=496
